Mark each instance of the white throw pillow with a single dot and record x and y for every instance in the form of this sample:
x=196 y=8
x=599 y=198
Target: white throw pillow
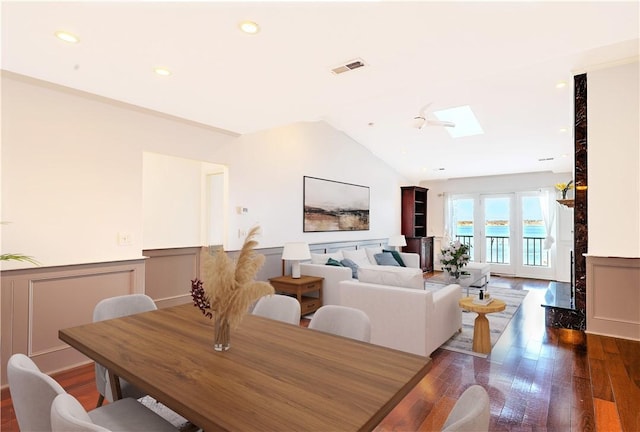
x=371 y=254
x=358 y=256
x=323 y=258
x=405 y=277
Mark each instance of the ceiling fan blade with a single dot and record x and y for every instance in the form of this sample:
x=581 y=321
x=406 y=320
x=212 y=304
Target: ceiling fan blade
x=442 y=123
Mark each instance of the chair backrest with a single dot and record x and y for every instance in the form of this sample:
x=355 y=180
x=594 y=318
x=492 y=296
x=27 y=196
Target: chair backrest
x=471 y=412
x=116 y=307
x=342 y=321
x=278 y=307
x=68 y=415
x=32 y=393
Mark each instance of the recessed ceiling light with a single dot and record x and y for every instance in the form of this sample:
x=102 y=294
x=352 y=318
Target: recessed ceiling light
x=561 y=84
x=162 y=71
x=563 y=130
x=67 y=37
x=249 y=27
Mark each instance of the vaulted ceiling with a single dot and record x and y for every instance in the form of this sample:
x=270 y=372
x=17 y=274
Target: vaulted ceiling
x=503 y=59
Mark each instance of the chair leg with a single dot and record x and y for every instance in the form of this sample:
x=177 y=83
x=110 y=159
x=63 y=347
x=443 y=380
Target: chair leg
x=100 y=401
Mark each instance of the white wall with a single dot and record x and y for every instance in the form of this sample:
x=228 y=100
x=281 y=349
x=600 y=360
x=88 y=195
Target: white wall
x=266 y=173
x=174 y=197
x=72 y=171
x=484 y=185
x=614 y=161
x=72 y=175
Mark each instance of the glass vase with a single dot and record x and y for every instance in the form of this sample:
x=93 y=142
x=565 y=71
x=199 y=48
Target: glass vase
x=454 y=277
x=222 y=334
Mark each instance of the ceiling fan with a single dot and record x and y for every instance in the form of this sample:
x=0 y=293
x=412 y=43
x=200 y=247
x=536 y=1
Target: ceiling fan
x=421 y=119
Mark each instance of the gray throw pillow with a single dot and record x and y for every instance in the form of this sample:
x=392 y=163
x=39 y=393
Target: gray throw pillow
x=397 y=257
x=352 y=265
x=385 y=258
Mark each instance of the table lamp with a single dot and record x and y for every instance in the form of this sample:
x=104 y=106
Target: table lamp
x=296 y=252
x=397 y=241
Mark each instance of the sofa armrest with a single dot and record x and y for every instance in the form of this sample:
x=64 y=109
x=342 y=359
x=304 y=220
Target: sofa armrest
x=447 y=316
x=332 y=276
x=410 y=259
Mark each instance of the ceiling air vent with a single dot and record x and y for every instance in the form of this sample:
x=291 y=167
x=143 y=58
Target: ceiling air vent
x=348 y=66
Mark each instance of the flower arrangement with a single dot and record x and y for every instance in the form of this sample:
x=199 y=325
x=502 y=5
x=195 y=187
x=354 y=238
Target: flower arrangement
x=227 y=287
x=564 y=188
x=454 y=258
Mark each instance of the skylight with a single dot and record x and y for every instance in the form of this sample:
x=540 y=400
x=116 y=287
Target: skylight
x=466 y=122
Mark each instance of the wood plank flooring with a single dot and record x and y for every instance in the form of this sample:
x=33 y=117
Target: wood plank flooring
x=538 y=379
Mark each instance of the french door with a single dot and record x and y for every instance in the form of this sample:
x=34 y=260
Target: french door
x=497 y=232
x=506 y=230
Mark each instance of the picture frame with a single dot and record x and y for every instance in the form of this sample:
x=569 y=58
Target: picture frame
x=334 y=206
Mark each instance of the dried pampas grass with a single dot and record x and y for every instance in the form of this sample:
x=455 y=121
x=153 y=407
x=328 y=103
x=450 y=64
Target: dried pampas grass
x=229 y=286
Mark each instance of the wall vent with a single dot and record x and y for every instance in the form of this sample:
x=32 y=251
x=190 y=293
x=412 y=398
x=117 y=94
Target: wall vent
x=348 y=66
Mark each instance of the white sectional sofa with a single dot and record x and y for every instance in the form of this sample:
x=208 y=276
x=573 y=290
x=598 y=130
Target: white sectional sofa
x=406 y=319
x=403 y=314
x=364 y=258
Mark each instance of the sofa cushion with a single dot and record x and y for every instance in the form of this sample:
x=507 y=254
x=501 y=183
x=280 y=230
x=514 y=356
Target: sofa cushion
x=371 y=254
x=352 y=265
x=323 y=258
x=334 y=262
x=397 y=256
x=358 y=256
x=387 y=259
x=404 y=277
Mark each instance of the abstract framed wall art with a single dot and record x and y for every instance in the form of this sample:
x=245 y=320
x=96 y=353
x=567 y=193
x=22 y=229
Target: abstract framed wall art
x=334 y=206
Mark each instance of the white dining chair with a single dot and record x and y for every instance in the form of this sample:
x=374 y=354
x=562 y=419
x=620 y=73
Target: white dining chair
x=471 y=412
x=278 y=307
x=342 y=321
x=116 y=307
x=33 y=393
x=68 y=415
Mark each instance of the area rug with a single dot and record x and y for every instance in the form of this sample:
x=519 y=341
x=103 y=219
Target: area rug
x=181 y=423
x=498 y=321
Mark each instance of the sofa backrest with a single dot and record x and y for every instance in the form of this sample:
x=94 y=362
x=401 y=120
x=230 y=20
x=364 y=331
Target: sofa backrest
x=400 y=317
x=404 y=277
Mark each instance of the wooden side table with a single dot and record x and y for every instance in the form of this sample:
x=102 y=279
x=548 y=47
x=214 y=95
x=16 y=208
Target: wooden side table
x=299 y=287
x=481 y=332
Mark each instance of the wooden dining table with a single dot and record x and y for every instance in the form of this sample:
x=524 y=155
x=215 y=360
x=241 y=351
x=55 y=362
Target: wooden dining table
x=275 y=376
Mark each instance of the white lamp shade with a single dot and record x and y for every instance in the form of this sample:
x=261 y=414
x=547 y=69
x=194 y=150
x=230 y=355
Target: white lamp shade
x=296 y=251
x=397 y=240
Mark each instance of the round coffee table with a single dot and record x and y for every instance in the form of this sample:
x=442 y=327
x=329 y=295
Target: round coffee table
x=481 y=332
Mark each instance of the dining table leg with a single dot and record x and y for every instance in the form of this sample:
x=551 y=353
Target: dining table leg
x=114 y=382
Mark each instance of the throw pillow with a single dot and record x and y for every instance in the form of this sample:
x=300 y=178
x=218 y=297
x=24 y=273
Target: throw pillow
x=333 y=262
x=397 y=256
x=371 y=253
x=387 y=259
x=358 y=256
x=352 y=265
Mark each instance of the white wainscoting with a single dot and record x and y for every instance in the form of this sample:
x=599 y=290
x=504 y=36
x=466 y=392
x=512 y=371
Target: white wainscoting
x=613 y=296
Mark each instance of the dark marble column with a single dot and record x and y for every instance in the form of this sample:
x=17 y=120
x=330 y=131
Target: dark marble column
x=576 y=318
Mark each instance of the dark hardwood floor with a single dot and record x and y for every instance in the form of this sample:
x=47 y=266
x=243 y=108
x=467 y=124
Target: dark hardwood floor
x=538 y=379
